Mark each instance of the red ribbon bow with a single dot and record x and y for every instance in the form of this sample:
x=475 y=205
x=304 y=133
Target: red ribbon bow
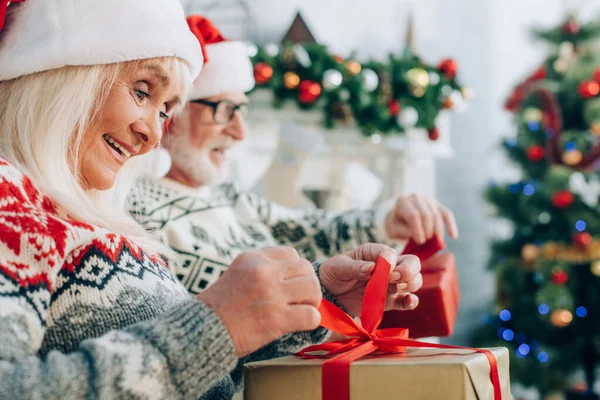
x=3 y=7
x=367 y=339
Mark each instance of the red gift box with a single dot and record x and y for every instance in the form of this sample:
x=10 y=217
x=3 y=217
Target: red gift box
x=438 y=301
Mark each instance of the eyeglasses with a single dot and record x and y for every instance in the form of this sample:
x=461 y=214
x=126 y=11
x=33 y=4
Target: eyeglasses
x=224 y=110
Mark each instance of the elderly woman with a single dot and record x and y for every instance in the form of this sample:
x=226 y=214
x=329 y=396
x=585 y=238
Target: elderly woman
x=87 y=306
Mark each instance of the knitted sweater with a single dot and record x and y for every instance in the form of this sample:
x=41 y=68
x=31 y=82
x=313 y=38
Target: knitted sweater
x=85 y=313
x=209 y=226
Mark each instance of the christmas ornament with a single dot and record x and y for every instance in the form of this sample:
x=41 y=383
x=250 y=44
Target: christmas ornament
x=434 y=133
x=448 y=103
x=291 y=80
x=434 y=78
x=271 y=49
x=587 y=191
x=562 y=199
x=252 y=49
x=561 y=65
x=595 y=128
x=532 y=114
x=535 y=153
x=570 y=28
x=344 y=95
x=589 y=89
x=559 y=277
x=301 y=55
x=408 y=117
x=418 y=77
x=332 y=79
x=572 y=157
x=595 y=268
x=544 y=218
x=262 y=73
x=447 y=90
x=582 y=239
x=417 y=91
x=394 y=108
x=597 y=75
x=339 y=59
x=308 y=91
x=468 y=93
x=370 y=78
x=561 y=318
x=353 y=68
x=529 y=253
x=448 y=67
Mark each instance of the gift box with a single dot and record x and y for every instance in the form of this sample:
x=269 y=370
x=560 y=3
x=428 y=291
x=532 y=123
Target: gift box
x=438 y=301
x=379 y=363
x=418 y=374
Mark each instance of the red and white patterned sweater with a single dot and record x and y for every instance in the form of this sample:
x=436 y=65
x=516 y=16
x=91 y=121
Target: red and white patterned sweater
x=85 y=313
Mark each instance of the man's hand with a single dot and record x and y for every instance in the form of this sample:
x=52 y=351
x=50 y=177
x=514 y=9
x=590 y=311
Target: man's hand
x=264 y=295
x=345 y=276
x=419 y=218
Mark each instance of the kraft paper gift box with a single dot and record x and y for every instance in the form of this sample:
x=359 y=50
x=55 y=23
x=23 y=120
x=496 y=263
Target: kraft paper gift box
x=419 y=374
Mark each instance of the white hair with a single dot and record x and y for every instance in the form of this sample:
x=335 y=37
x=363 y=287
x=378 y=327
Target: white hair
x=43 y=118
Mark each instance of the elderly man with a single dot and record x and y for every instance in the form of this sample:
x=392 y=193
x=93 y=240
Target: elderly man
x=208 y=223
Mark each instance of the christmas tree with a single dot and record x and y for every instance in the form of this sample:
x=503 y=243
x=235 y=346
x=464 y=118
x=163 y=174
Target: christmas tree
x=548 y=269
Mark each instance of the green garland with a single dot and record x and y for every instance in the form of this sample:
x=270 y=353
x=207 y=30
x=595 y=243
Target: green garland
x=380 y=97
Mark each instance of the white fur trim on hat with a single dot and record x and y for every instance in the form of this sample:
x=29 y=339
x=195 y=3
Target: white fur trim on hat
x=40 y=35
x=228 y=69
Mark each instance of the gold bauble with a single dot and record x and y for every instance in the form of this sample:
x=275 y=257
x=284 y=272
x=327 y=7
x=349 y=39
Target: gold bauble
x=595 y=128
x=418 y=77
x=291 y=80
x=529 y=253
x=561 y=318
x=353 y=67
x=572 y=157
x=418 y=92
x=532 y=114
x=595 y=268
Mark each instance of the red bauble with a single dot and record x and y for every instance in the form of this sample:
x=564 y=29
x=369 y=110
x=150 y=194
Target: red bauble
x=339 y=59
x=448 y=67
x=535 y=153
x=570 y=28
x=434 y=133
x=589 y=89
x=262 y=73
x=582 y=239
x=562 y=199
x=394 y=107
x=559 y=277
x=597 y=75
x=308 y=91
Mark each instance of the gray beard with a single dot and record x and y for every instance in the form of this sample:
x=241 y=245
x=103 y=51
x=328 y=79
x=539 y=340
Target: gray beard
x=196 y=164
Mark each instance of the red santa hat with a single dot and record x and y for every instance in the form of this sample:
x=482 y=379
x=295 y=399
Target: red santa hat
x=40 y=35
x=227 y=66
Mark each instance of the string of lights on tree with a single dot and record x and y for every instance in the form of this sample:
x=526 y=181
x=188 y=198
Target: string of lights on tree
x=548 y=270
x=379 y=97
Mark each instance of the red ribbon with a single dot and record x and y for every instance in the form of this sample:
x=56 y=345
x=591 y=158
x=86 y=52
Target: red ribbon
x=367 y=339
x=3 y=7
